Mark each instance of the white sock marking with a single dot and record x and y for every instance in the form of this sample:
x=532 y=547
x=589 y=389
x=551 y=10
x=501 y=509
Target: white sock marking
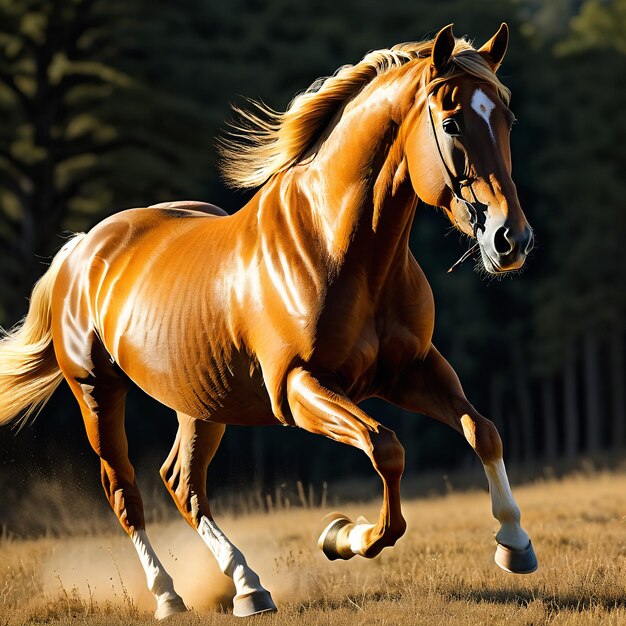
x=159 y=581
x=229 y=558
x=504 y=507
x=357 y=537
x=483 y=107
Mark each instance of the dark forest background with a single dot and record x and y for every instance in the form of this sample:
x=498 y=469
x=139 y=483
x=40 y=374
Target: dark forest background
x=110 y=104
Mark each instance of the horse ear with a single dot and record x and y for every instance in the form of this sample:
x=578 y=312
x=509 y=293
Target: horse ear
x=494 y=50
x=442 y=48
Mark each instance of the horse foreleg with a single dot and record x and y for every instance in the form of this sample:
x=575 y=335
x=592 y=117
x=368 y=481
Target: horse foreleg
x=184 y=473
x=432 y=387
x=319 y=410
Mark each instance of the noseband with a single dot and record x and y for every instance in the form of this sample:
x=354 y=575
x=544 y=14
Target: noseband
x=477 y=210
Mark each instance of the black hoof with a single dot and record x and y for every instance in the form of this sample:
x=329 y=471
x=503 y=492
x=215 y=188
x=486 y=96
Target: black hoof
x=516 y=561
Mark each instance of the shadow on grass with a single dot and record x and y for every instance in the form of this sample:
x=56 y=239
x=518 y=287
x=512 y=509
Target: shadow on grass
x=353 y=602
x=553 y=603
x=558 y=602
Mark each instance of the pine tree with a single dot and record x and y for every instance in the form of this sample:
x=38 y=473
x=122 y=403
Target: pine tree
x=579 y=304
x=95 y=120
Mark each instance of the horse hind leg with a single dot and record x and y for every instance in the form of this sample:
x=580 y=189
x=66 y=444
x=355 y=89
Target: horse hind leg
x=184 y=474
x=102 y=399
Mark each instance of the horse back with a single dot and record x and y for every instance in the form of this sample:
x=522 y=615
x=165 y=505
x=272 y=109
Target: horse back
x=191 y=205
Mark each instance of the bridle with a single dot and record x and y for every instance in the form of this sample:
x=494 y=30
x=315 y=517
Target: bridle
x=477 y=210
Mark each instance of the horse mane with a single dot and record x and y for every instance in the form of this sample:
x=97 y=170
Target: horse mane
x=263 y=142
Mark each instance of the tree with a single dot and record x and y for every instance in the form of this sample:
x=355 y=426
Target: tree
x=579 y=306
x=92 y=123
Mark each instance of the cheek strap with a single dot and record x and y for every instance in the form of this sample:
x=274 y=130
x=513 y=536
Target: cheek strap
x=477 y=210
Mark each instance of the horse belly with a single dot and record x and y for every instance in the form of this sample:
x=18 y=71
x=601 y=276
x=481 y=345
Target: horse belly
x=229 y=391
x=196 y=370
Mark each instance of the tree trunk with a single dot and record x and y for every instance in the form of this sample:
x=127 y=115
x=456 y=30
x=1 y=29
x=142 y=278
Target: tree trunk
x=570 y=403
x=407 y=434
x=524 y=400
x=593 y=408
x=504 y=423
x=618 y=398
x=548 y=402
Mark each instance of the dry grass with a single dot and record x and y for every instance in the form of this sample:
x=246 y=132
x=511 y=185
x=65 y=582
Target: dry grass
x=441 y=572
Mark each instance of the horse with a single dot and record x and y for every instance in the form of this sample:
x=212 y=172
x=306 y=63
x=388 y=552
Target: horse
x=295 y=308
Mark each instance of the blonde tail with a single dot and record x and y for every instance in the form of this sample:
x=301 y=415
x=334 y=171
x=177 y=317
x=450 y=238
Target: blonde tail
x=29 y=372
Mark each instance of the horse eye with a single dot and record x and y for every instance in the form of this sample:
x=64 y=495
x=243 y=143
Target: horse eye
x=451 y=127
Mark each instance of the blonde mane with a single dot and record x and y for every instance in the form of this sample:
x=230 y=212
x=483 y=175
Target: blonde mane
x=263 y=142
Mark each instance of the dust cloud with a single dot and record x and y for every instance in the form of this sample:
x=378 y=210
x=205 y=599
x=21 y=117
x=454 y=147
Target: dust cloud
x=105 y=567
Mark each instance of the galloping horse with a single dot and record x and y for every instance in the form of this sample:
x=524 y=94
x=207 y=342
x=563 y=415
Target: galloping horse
x=297 y=307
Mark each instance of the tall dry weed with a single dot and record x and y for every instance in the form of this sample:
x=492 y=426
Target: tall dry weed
x=441 y=572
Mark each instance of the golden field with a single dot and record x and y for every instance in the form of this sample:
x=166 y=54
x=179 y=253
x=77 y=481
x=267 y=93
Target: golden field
x=440 y=573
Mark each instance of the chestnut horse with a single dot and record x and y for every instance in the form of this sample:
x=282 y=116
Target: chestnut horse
x=297 y=307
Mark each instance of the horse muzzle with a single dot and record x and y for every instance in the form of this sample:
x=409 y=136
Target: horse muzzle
x=504 y=249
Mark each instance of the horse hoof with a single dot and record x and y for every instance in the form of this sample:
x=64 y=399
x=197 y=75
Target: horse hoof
x=328 y=541
x=170 y=607
x=516 y=561
x=247 y=604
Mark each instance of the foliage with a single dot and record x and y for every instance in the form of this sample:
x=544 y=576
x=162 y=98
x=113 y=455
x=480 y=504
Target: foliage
x=107 y=104
x=600 y=25
x=92 y=124
x=578 y=175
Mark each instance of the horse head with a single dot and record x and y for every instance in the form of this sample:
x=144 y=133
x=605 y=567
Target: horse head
x=458 y=152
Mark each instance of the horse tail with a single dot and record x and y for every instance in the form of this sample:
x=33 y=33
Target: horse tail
x=29 y=372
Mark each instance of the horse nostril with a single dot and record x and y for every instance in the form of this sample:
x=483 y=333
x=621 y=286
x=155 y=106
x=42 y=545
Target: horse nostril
x=506 y=242
x=501 y=242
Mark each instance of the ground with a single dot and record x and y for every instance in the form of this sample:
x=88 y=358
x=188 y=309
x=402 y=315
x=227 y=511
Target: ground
x=440 y=573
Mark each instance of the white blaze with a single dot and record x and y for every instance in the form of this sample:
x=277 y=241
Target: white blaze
x=483 y=107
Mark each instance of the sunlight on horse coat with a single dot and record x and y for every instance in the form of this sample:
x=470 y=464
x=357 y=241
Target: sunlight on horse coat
x=297 y=307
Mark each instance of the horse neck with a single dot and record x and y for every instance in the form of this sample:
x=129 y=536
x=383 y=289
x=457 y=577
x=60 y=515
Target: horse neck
x=359 y=197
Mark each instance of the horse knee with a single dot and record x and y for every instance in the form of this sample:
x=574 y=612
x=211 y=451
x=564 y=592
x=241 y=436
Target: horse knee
x=190 y=499
x=388 y=454
x=483 y=436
